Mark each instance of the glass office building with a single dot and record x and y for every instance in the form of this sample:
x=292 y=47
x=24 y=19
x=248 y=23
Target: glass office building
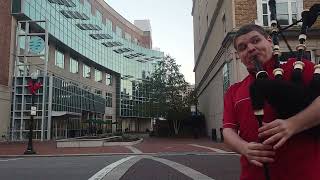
x=93 y=65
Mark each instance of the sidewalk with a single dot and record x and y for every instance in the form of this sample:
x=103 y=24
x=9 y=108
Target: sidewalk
x=149 y=145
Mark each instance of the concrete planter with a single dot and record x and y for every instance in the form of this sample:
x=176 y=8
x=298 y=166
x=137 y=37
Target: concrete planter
x=76 y=142
x=122 y=143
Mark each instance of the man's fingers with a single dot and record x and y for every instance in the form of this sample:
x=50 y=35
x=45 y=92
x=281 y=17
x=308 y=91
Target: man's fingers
x=280 y=143
x=258 y=146
x=262 y=159
x=270 y=132
x=273 y=139
x=267 y=126
x=259 y=164
x=261 y=153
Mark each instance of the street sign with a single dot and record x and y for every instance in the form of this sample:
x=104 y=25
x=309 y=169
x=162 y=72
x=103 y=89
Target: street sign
x=33 y=110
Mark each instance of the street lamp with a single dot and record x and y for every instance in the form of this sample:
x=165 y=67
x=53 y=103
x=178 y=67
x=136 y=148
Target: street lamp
x=33 y=86
x=193 y=109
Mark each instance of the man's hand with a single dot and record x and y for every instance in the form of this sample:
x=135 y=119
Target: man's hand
x=258 y=153
x=277 y=132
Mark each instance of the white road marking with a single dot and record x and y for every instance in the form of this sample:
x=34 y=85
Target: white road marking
x=134 y=150
x=120 y=170
x=196 y=175
x=210 y=148
x=99 y=175
x=10 y=159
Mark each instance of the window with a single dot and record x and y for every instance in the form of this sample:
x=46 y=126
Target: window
x=59 y=61
x=287 y=11
x=98 y=92
x=108 y=99
x=226 y=76
x=135 y=40
x=224 y=24
x=317 y=60
x=68 y=3
x=74 y=15
x=86 y=71
x=112 y=44
x=74 y=66
x=108 y=79
x=88 y=27
x=118 y=31
x=98 y=76
x=127 y=36
x=100 y=36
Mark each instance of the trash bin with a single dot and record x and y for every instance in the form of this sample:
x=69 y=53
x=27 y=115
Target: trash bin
x=221 y=134
x=214 y=134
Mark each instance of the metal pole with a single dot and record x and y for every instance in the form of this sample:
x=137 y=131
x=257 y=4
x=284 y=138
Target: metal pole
x=30 y=145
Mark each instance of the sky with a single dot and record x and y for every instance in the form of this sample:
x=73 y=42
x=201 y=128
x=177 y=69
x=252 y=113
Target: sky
x=171 y=24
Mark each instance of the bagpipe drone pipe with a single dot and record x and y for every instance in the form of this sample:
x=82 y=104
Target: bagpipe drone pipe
x=286 y=97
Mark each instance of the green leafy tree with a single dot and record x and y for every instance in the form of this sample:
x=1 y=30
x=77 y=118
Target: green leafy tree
x=167 y=85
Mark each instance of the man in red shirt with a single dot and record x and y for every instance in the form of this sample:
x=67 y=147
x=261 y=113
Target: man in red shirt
x=289 y=155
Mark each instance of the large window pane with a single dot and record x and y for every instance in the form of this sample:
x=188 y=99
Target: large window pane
x=283 y=19
x=59 y=61
x=86 y=71
x=108 y=79
x=98 y=76
x=74 y=66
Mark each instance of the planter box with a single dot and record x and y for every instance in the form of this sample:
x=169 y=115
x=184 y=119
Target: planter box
x=76 y=142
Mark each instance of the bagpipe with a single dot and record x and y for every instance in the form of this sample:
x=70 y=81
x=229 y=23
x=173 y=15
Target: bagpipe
x=287 y=98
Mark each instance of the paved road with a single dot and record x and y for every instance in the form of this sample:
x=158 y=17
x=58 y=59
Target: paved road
x=130 y=167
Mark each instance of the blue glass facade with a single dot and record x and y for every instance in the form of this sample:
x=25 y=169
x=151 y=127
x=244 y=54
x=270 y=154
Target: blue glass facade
x=72 y=23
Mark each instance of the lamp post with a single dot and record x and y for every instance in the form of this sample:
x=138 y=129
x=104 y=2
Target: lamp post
x=193 y=109
x=33 y=86
x=194 y=119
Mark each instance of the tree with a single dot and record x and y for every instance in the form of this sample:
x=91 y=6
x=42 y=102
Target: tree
x=167 y=85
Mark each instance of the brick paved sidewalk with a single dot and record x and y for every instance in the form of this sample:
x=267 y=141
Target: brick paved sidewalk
x=49 y=148
x=180 y=145
x=149 y=145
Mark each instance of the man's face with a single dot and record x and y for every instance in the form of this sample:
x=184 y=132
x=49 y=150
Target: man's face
x=251 y=45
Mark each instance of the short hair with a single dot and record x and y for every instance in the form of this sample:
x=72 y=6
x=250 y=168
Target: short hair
x=248 y=28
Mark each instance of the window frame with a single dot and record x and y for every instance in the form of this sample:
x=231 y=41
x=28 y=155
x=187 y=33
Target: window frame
x=299 y=4
x=59 y=64
x=84 y=73
x=96 y=73
x=74 y=63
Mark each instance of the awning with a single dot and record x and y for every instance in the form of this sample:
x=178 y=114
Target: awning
x=98 y=121
x=64 y=113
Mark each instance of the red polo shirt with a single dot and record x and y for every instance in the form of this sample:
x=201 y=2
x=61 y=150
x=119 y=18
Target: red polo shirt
x=298 y=159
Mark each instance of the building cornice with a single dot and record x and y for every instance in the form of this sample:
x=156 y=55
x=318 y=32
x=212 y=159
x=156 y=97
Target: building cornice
x=205 y=41
x=193 y=4
x=224 y=45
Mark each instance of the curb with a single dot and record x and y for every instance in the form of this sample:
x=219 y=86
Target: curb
x=111 y=154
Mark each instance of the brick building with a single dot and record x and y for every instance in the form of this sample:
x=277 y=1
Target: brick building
x=216 y=64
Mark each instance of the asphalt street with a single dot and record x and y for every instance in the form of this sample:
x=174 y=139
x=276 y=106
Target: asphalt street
x=217 y=166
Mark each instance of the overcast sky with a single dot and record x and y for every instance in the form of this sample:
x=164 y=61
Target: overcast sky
x=171 y=24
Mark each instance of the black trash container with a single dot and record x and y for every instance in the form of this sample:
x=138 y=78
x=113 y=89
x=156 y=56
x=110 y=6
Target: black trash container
x=214 y=134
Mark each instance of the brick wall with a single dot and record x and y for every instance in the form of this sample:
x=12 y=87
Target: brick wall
x=5 y=29
x=245 y=11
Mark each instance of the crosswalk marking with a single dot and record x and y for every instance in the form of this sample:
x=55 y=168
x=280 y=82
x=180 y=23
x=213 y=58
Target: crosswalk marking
x=134 y=150
x=210 y=148
x=10 y=159
x=99 y=175
x=196 y=175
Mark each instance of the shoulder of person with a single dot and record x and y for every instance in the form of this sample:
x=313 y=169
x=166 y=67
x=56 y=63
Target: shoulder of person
x=234 y=87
